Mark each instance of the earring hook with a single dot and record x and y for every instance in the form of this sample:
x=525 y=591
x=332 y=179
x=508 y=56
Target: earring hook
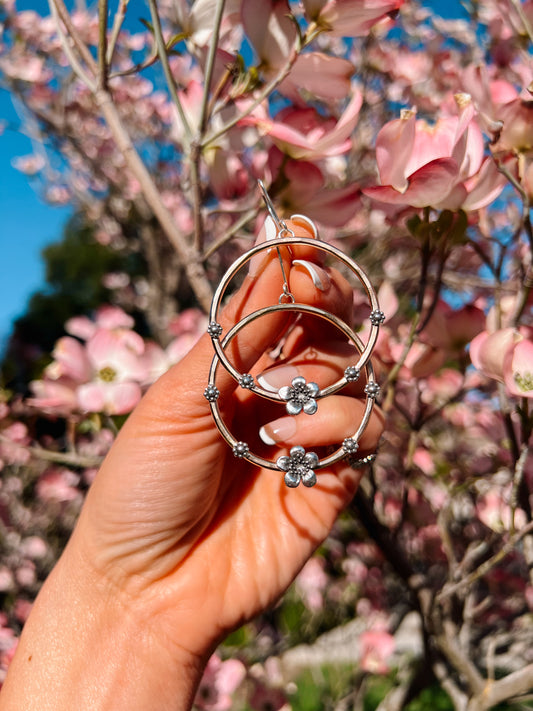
x=283 y=231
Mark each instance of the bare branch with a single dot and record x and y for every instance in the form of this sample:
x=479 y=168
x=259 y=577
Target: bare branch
x=463 y=665
x=163 y=56
x=102 y=43
x=210 y=66
x=516 y=684
x=72 y=32
x=244 y=220
x=485 y=567
x=268 y=89
x=115 y=30
x=189 y=258
x=73 y=60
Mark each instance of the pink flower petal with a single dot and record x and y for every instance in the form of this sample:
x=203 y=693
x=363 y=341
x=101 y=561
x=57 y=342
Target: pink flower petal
x=91 y=397
x=80 y=326
x=322 y=75
x=394 y=144
x=428 y=186
x=269 y=30
x=488 y=351
x=113 y=317
x=53 y=397
x=71 y=361
x=119 y=353
x=484 y=187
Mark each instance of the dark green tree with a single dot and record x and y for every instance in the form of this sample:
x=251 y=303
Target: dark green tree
x=75 y=267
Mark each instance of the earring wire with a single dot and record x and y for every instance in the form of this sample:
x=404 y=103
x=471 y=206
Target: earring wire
x=283 y=231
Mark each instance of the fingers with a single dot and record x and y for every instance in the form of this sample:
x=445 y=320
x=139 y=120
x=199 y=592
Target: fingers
x=323 y=363
x=337 y=417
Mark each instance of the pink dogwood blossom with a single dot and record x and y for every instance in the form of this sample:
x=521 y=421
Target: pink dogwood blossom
x=377 y=647
x=349 y=18
x=219 y=681
x=440 y=165
x=117 y=371
x=303 y=133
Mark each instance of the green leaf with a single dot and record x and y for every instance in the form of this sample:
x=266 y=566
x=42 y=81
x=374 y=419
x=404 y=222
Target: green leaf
x=413 y=225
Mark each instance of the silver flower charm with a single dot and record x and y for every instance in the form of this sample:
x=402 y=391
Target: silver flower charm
x=300 y=395
x=298 y=467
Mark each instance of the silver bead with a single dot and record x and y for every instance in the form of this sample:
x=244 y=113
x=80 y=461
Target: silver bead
x=350 y=446
x=246 y=381
x=211 y=393
x=352 y=373
x=214 y=329
x=377 y=317
x=240 y=450
x=372 y=389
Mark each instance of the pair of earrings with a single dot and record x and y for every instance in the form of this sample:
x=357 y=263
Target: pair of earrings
x=298 y=395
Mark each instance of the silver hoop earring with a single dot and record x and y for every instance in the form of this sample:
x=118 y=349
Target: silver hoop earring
x=299 y=465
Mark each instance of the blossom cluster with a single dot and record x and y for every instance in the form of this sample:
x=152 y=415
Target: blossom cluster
x=104 y=365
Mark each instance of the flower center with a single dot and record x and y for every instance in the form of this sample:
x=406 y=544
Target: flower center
x=107 y=374
x=525 y=381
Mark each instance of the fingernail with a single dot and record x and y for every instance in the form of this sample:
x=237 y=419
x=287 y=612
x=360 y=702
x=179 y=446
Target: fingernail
x=320 y=277
x=305 y=222
x=275 y=378
x=268 y=232
x=278 y=431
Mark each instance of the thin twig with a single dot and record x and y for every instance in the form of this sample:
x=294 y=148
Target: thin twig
x=190 y=259
x=163 y=56
x=196 y=150
x=69 y=459
x=115 y=30
x=102 y=43
x=209 y=67
x=152 y=59
x=264 y=94
x=518 y=477
x=77 y=68
x=74 y=35
x=485 y=567
x=243 y=220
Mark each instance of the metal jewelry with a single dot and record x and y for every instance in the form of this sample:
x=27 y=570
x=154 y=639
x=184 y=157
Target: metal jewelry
x=299 y=465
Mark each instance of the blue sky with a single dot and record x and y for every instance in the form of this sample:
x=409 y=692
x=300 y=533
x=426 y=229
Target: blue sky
x=27 y=224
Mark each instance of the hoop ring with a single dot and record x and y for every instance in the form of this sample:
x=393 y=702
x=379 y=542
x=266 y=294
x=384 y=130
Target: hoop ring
x=246 y=380
x=376 y=316
x=241 y=449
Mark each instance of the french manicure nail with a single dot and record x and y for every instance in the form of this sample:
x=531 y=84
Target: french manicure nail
x=320 y=277
x=275 y=378
x=267 y=233
x=278 y=431
x=304 y=221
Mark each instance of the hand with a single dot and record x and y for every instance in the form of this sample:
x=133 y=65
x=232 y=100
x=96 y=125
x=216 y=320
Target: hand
x=190 y=540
